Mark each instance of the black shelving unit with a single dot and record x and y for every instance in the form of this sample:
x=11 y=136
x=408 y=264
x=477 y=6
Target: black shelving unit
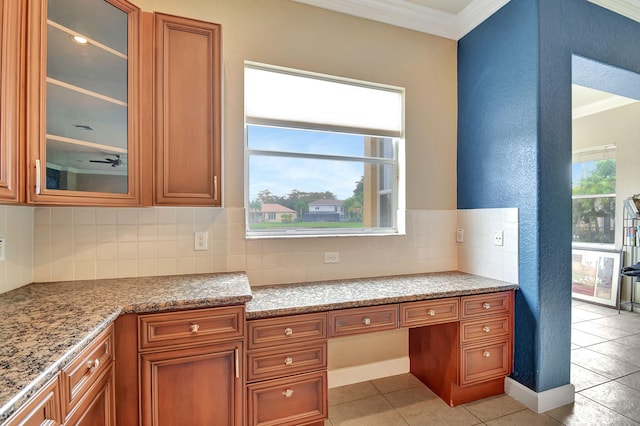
x=630 y=249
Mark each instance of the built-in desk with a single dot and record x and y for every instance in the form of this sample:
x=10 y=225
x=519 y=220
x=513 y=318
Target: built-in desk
x=460 y=338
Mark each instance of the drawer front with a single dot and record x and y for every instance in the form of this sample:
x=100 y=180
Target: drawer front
x=484 y=362
x=85 y=369
x=286 y=402
x=414 y=314
x=363 y=320
x=485 y=328
x=486 y=304
x=190 y=327
x=285 y=330
x=41 y=409
x=288 y=360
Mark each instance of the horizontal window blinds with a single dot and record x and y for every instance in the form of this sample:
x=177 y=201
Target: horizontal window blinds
x=281 y=97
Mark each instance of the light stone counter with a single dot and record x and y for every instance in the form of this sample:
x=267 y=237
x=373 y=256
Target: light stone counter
x=278 y=300
x=43 y=326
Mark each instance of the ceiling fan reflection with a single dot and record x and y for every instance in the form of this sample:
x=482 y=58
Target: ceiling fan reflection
x=115 y=162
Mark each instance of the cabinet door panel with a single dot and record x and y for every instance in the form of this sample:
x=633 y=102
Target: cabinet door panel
x=82 y=103
x=196 y=386
x=187 y=118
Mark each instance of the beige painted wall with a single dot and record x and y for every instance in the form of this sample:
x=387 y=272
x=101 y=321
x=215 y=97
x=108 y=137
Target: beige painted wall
x=286 y=33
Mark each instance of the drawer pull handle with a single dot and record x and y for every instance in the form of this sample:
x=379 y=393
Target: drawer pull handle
x=431 y=312
x=194 y=328
x=288 y=361
x=288 y=331
x=366 y=321
x=288 y=393
x=486 y=305
x=486 y=354
x=486 y=329
x=93 y=364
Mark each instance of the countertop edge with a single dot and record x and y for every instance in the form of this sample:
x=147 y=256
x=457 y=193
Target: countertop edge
x=313 y=308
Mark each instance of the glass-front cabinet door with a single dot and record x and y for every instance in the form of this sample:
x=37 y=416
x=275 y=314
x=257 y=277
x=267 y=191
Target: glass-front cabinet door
x=82 y=117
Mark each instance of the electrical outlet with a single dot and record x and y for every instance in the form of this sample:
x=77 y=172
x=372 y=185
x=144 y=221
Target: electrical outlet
x=332 y=257
x=2 y=249
x=201 y=240
x=459 y=235
x=498 y=238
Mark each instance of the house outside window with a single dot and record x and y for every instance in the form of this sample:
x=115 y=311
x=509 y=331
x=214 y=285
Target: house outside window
x=328 y=149
x=593 y=196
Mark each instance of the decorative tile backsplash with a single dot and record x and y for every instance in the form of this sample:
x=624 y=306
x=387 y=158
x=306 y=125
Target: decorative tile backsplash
x=77 y=243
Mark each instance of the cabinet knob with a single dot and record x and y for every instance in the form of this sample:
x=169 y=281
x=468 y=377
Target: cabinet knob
x=366 y=321
x=486 y=354
x=288 y=393
x=93 y=363
x=486 y=305
x=431 y=312
x=288 y=361
x=194 y=328
x=486 y=329
x=288 y=331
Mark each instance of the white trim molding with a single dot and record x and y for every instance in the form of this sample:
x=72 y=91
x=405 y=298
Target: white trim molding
x=405 y=14
x=540 y=402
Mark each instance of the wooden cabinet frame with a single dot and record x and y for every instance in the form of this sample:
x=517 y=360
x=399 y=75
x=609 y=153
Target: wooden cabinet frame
x=36 y=71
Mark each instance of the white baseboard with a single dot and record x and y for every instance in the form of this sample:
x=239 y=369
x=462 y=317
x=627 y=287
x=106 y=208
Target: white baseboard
x=362 y=373
x=540 y=402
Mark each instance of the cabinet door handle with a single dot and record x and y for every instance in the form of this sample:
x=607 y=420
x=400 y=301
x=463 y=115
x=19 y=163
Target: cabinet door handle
x=215 y=188
x=288 y=331
x=486 y=305
x=288 y=361
x=486 y=329
x=37 y=177
x=486 y=354
x=431 y=312
x=366 y=321
x=288 y=393
x=237 y=363
x=194 y=328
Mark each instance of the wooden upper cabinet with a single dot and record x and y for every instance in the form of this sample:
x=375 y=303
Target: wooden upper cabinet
x=82 y=111
x=187 y=118
x=12 y=14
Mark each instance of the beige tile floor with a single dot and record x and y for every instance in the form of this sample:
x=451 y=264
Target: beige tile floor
x=605 y=369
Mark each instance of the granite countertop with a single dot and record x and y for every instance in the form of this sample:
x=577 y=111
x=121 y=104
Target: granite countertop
x=288 y=299
x=43 y=326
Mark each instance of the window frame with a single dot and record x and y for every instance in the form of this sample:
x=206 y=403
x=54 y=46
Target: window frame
x=397 y=161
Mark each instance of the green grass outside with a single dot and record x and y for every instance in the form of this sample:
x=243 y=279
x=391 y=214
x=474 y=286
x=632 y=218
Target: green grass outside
x=305 y=225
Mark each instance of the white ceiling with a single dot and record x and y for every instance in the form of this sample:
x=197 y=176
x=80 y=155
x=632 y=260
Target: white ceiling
x=451 y=19
x=586 y=101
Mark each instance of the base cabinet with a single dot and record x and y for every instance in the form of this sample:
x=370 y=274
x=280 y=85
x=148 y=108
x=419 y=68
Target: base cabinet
x=196 y=386
x=466 y=360
x=43 y=409
x=189 y=367
x=96 y=408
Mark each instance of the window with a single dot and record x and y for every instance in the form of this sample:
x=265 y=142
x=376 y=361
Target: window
x=324 y=151
x=594 y=198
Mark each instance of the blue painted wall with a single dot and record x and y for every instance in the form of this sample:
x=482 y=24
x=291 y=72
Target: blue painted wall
x=514 y=150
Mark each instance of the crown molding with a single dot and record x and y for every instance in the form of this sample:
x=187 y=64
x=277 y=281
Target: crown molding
x=409 y=15
x=628 y=8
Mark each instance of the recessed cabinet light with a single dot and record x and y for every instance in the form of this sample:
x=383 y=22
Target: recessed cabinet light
x=79 y=39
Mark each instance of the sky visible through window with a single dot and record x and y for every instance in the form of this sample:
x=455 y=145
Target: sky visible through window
x=281 y=175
